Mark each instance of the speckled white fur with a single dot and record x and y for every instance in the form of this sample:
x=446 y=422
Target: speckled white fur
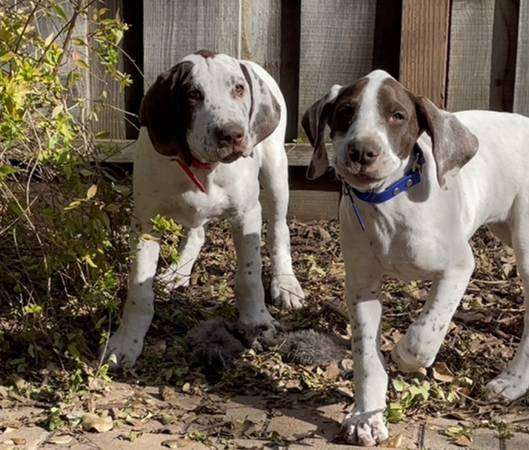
x=424 y=234
x=161 y=187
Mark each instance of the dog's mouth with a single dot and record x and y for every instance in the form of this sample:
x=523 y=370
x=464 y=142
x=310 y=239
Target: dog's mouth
x=231 y=157
x=366 y=178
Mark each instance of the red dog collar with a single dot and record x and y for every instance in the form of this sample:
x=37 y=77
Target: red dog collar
x=198 y=165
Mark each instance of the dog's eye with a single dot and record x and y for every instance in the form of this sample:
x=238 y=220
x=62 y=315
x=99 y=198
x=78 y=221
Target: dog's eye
x=345 y=116
x=397 y=116
x=239 y=90
x=195 y=94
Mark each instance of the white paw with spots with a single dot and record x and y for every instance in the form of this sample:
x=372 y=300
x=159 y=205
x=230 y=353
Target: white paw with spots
x=170 y=281
x=411 y=358
x=123 y=349
x=406 y=362
x=508 y=387
x=286 y=292
x=366 y=429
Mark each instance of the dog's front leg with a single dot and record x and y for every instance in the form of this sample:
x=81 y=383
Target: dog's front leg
x=285 y=289
x=249 y=291
x=179 y=274
x=126 y=344
x=419 y=347
x=365 y=424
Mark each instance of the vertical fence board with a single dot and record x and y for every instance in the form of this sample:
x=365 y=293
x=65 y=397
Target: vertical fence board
x=386 y=46
x=424 y=47
x=174 y=28
x=521 y=89
x=470 y=58
x=133 y=64
x=261 y=34
x=111 y=118
x=289 y=71
x=504 y=44
x=336 y=45
x=52 y=25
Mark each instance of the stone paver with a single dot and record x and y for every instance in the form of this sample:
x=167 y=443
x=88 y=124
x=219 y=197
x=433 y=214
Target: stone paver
x=305 y=427
x=482 y=439
x=28 y=438
x=290 y=427
x=519 y=441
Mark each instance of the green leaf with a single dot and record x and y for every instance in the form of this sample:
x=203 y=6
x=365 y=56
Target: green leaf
x=60 y=12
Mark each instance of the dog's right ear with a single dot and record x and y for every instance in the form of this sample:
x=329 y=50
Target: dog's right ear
x=165 y=112
x=313 y=122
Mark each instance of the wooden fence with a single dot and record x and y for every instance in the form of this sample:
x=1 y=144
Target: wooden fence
x=463 y=54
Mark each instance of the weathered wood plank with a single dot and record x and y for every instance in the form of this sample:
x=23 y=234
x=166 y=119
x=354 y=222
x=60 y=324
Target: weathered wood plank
x=289 y=71
x=521 y=87
x=110 y=108
x=336 y=45
x=470 y=58
x=313 y=205
x=261 y=34
x=504 y=43
x=424 y=47
x=174 y=28
x=52 y=25
x=122 y=151
x=386 y=47
x=133 y=65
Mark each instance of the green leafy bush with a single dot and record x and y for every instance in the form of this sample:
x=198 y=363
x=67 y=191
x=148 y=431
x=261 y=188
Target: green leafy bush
x=63 y=216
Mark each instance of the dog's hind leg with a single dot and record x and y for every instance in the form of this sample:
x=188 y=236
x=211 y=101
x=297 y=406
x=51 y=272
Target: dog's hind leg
x=284 y=288
x=126 y=343
x=178 y=274
x=513 y=382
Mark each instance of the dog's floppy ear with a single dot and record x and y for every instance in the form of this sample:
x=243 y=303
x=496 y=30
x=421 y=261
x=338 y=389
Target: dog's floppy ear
x=453 y=144
x=165 y=112
x=313 y=122
x=265 y=111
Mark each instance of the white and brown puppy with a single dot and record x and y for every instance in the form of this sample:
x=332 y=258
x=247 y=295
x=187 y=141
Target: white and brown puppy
x=212 y=127
x=475 y=173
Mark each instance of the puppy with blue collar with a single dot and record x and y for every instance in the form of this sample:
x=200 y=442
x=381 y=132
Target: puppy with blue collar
x=419 y=182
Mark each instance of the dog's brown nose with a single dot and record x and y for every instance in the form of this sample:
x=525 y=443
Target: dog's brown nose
x=363 y=153
x=231 y=135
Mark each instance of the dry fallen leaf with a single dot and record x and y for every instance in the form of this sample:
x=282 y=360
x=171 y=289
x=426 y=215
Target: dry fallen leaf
x=63 y=439
x=177 y=443
x=442 y=373
x=19 y=441
x=93 y=422
x=463 y=441
x=395 y=441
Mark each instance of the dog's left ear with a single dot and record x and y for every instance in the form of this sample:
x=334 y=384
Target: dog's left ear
x=453 y=144
x=265 y=111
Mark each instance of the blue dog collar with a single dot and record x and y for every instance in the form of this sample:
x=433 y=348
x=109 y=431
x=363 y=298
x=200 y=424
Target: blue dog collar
x=412 y=178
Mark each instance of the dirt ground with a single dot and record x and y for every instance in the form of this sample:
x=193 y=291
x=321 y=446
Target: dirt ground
x=167 y=402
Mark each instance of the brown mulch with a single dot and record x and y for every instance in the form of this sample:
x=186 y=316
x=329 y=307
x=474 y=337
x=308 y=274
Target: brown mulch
x=482 y=338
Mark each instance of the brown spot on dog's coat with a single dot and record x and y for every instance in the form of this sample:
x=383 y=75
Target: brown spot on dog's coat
x=402 y=134
x=205 y=53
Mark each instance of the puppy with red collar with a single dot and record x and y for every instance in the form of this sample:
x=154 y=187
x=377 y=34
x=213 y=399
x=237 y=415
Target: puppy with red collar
x=212 y=127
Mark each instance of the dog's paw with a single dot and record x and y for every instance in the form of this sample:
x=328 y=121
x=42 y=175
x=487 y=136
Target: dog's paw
x=286 y=292
x=367 y=429
x=407 y=360
x=122 y=350
x=258 y=331
x=506 y=387
x=170 y=281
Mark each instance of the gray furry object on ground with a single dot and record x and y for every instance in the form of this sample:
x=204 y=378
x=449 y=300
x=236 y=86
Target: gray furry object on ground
x=216 y=343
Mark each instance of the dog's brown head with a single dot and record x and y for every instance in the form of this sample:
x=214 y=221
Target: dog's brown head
x=209 y=106
x=375 y=124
